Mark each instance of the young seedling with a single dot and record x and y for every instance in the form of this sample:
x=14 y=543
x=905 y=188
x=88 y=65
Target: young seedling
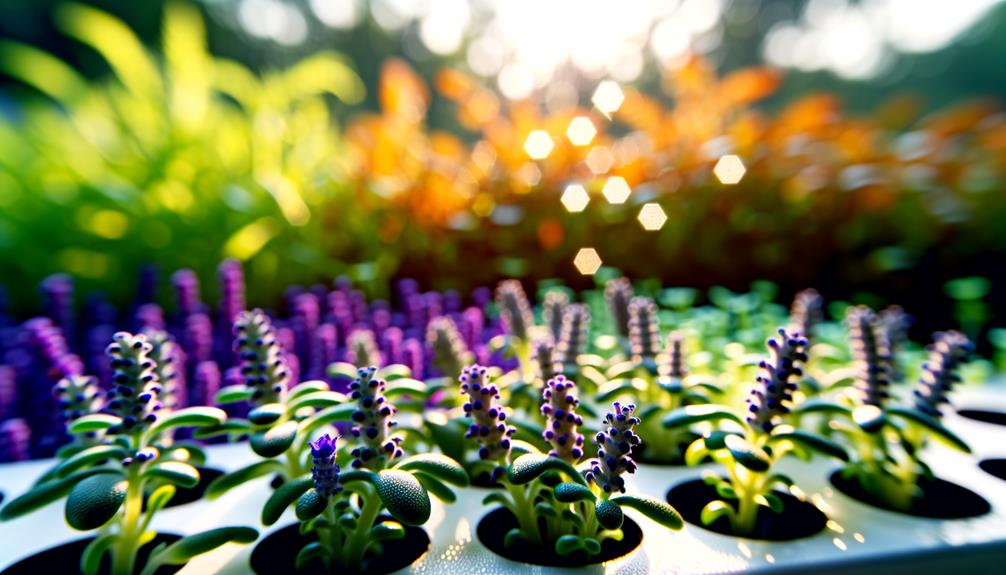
x=561 y=503
x=345 y=508
x=105 y=485
x=749 y=446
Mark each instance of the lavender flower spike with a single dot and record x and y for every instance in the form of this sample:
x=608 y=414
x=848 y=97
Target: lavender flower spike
x=373 y=422
x=613 y=447
x=324 y=469
x=261 y=357
x=77 y=395
x=871 y=353
x=514 y=309
x=559 y=407
x=450 y=354
x=552 y=311
x=618 y=292
x=133 y=396
x=489 y=427
x=573 y=338
x=362 y=348
x=806 y=312
x=773 y=389
x=644 y=331
x=939 y=373
x=678 y=366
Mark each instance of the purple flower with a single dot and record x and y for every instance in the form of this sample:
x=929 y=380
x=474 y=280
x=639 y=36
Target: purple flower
x=613 y=447
x=373 y=421
x=806 y=312
x=186 y=285
x=572 y=337
x=263 y=367
x=514 y=309
x=559 y=408
x=324 y=469
x=489 y=428
x=644 y=331
x=773 y=389
x=552 y=312
x=450 y=354
x=362 y=348
x=618 y=292
x=677 y=365
x=135 y=387
x=940 y=372
x=871 y=354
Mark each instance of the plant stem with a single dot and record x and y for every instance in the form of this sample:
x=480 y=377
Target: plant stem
x=523 y=509
x=358 y=540
x=329 y=535
x=124 y=550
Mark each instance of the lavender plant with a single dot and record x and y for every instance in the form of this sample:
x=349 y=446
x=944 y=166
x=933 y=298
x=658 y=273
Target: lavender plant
x=106 y=484
x=752 y=443
x=562 y=503
x=518 y=321
x=344 y=508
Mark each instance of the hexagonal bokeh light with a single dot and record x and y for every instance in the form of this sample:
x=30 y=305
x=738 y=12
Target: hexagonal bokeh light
x=729 y=169
x=600 y=160
x=616 y=190
x=652 y=217
x=575 y=198
x=581 y=131
x=608 y=97
x=587 y=261
x=538 y=145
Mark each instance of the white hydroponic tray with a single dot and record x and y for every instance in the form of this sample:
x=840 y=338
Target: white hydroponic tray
x=858 y=537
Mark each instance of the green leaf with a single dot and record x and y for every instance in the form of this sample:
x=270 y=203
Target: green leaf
x=656 y=510
x=616 y=387
x=394 y=371
x=512 y=537
x=327 y=416
x=692 y=414
x=176 y=472
x=306 y=387
x=93 y=422
x=716 y=440
x=188 y=547
x=342 y=369
x=770 y=500
x=45 y=493
x=779 y=478
x=568 y=544
x=573 y=492
x=933 y=425
x=812 y=441
x=187 y=417
x=406 y=386
x=497 y=498
x=821 y=406
x=591 y=546
x=609 y=514
x=284 y=497
x=233 y=394
x=869 y=417
x=87 y=458
x=317 y=400
x=387 y=531
x=436 y=487
x=404 y=496
x=267 y=414
x=159 y=498
x=714 y=510
x=275 y=441
x=229 y=481
x=748 y=454
x=231 y=426
x=90 y=559
x=696 y=452
x=449 y=437
x=543 y=509
x=530 y=466
x=94 y=501
x=310 y=505
x=440 y=466
x=310 y=552
x=187 y=451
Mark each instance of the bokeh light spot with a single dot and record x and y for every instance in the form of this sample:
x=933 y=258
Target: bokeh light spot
x=608 y=97
x=538 y=145
x=729 y=169
x=600 y=160
x=581 y=131
x=652 y=217
x=575 y=198
x=587 y=261
x=616 y=190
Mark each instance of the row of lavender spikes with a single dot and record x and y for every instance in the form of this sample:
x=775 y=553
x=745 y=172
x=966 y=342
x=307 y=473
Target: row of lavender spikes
x=320 y=325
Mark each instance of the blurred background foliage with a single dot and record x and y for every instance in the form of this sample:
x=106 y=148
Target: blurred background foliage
x=375 y=139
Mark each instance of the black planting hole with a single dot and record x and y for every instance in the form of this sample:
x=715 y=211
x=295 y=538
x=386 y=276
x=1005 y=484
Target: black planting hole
x=494 y=527
x=798 y=518
x=66 y=559
x=276 y=554
x=940 y=498
x=984 y=415
x=995 y=467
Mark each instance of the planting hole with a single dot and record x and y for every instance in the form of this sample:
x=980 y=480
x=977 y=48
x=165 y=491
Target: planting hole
x=985 y=416
x=995 y=467
x=798 y=518
x=66 y=558
x=940 y=499
x=275 y=554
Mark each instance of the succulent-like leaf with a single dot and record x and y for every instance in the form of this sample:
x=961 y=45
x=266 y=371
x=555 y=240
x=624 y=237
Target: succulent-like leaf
x=229 y=481
x=406 y=386
x=811 y=441
x=387 y=530
x=267 y=414
x=341 y=369
x=186 y=451
x=770 y=500
x=748 y=454
x=512 y=537
x=187 y=417
x=658 y=511
x=90 y=559
x=497 y=498
x=696 y=452
x=573 y=492
x=568 y=544
x=93 y=422
x=714 y=510
x=530 y=466
x=283 y=497
x=449 y=437
x=591 y=546
x=717 y=439
x=306 y=387
x=86 y=458
x=404 y=496
x=181 y=551
x=310 y=505
x=233 y=394
x=692 y=414
x=869 y=417
x=436 y=487
x=232 y=426
x=45 y=493
x=310 y=552
x=176 y=472
x=931 y=424
x=275 y=441
x=440 y=466
x=328 y=416
x=820 y=406
x=543 y=509
x=609 y=515
x=94 y=501
x=394 y=371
